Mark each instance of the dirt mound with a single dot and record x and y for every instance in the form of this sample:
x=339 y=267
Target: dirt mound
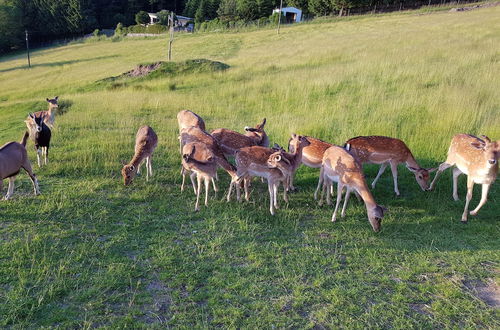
x=485 y=5
x=142 y=69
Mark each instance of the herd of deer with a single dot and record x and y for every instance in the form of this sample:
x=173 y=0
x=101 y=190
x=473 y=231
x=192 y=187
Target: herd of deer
x=203 y=152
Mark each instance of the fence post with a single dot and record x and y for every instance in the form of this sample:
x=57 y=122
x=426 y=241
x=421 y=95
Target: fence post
x=28 y=48
x=171 y=23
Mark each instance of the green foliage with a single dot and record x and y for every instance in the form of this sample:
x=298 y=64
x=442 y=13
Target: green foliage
x=163 y=17
x=154 y=29
x=120 y=30
x=11 y=32
x=142 y=17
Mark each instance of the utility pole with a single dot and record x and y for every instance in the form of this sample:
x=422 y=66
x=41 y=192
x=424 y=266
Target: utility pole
x=27 y=47
x=171 y=23
x=279 y=17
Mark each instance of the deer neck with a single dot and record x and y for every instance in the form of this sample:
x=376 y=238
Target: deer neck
x=137 y=159
x=411 y=162
x=297 y=155
x=366 y=195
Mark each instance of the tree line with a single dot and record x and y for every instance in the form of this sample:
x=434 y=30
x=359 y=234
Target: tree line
x=51 y=19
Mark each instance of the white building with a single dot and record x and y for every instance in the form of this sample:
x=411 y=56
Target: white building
x=291 y=14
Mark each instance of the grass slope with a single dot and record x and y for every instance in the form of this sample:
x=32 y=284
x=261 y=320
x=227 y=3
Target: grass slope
x=90 y=252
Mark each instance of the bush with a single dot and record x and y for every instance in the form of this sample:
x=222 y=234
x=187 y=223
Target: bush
x=154 y=29
x=120 y=30
x=142 y=18
x=96 y=33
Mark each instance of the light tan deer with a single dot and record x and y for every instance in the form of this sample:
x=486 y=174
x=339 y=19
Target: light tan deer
x=312 y=156
x=341 y=167
x=254 y=161
x=13 y=157
x=49 y=115
x=196 y=134
x=198 y=159
x=231 y=141
x=296 y=145
x=386 y=150
x=478 y=159
x=145 y=143
x=186 y=119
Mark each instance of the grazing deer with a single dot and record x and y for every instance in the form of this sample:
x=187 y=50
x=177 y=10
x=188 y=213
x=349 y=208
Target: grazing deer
x=296 y=145
x=254 y=161
x=40 y=133
x=386 y=150
x=231 y=141
x=145 y=143
x=186 y=119
x=196 y=134
x=198 y=159
x=13 y=157
x=478 y=159
x=49 y=115
x=340 y=166
x=312 y=156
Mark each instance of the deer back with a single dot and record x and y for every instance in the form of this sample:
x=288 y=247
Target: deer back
x=187 y=118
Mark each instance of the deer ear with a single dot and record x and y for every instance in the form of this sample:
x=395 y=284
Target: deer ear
x=263 y=123
x=485 y=138
x=430 y=170
x=132 y=167
x=478 y=145
x=412 y=169
x=56 y=98
x=47 y=99
x=278 y=157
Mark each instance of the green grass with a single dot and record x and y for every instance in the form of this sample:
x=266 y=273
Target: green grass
x=90 y=252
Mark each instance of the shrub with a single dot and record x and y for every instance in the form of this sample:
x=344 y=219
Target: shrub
x=96 y=33
x=142 y=17
x=120 y=30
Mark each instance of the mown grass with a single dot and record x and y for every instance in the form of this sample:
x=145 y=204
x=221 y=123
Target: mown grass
x=90 y=252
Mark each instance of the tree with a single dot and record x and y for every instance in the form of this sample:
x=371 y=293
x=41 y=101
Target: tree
x=11 y=30
x=142 y=18
x=163 y=17
x=227 y=10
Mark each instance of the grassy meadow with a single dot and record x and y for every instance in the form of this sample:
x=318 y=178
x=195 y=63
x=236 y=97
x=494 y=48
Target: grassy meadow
x=90 y=252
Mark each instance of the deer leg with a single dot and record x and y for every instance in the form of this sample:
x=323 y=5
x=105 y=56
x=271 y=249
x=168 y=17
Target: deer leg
x=197 y=205
x=329 y=194
x=150 y=165
x=38 y=156
x=207 y=186
x=146 y=160
x=183 y=173
x=456 y=174
x=10 y=190
x=191 y=176
x=275 y=194
x=29 y=170
x=394 y=169
x=320 y=181
x=246 y=187
x=380 y=171
x=470 y=186
x=215 y=187
x=285 y=196
x=324 y=188
x=339 y=198
x=442 y=167
x=346 y=199
x=271 y=196
x=46 y=155
x=484 y=198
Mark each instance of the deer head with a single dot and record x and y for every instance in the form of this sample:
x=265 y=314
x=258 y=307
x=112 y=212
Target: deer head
x=128 y=172
x=490 y=149
x=258 y=133
x=375 y=216
x=422 y=176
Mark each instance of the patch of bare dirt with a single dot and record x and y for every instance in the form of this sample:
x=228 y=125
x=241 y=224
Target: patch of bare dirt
x=143 y=69
x=488 y=292
x=484 y=5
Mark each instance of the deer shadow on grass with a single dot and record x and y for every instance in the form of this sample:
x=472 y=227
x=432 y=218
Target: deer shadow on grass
x=58 y=63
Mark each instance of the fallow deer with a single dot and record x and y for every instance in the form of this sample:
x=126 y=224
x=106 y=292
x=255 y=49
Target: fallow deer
x=186 y=119
x=196 y=134
x=296 y=145
x=13 y=157
x=145 y=143
x=312 y=156
x=49 y=115
x=198 y=159
x=254 y=161
x=386 y=150
x=340 y=166
x=40 y=133
x=231 y=141
x=478 y=159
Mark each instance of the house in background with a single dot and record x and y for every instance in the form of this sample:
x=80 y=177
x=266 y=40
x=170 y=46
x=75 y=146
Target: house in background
x=292 y=14
x=153 y=18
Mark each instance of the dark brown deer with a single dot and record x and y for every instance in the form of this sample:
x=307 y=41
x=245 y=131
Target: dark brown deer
x=13 y=157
